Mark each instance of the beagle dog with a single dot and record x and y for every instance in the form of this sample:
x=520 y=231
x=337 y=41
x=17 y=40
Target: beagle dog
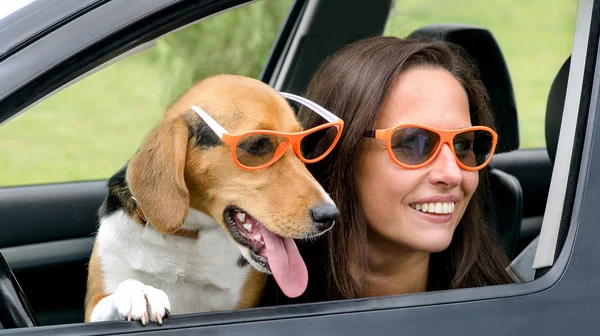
x=210 y=204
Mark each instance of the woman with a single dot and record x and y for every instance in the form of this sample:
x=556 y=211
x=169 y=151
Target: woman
x=411 y=211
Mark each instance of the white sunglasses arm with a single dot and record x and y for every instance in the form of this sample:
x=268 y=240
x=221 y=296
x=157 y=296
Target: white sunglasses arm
x=219 y=130
x=313 y=106
x=212 y=123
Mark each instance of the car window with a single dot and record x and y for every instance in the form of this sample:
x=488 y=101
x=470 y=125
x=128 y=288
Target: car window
x=90 y=129
x=535 y=38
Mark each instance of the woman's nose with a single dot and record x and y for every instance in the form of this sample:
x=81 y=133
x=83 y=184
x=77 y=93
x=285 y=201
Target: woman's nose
x=444 y=169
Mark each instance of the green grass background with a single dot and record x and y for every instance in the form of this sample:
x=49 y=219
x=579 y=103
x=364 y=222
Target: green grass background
x=89 y=130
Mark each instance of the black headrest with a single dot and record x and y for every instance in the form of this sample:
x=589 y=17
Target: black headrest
x=554 y=108
x=483 y=48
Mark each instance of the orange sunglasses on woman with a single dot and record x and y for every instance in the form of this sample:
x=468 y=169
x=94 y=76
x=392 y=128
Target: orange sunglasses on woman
x=415 y=146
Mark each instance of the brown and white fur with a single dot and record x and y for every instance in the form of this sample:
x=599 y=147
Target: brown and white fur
x=163 y=245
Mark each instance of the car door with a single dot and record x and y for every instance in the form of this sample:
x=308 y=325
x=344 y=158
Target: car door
x=564 y=293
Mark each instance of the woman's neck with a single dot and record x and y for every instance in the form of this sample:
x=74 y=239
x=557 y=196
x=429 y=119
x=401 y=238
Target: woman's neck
x=393 y=270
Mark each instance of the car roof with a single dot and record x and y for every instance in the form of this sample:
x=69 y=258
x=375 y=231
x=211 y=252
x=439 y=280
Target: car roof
x=24 y=21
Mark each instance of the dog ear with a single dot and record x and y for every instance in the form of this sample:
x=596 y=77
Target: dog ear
x=155 y=175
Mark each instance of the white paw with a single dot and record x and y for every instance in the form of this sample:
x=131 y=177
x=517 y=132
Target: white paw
x=135 y=301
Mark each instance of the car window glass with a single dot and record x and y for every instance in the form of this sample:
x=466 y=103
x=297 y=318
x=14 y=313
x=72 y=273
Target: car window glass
x=535 y=38
x=90 y=129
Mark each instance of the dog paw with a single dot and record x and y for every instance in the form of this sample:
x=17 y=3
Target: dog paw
x=135 y=301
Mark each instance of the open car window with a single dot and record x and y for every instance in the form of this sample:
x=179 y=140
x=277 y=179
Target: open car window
x=93 y=116
x=82 y=131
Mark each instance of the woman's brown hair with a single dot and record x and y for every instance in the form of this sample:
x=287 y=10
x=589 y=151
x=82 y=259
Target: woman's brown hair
x=353 y=83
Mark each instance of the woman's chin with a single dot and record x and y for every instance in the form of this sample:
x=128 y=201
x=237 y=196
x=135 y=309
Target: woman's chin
x=436 y=248
x=433 y=244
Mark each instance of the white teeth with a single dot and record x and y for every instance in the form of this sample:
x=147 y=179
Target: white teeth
x=445 y=208
x=431 y=208
x=438 y=208
x=257 y=237
x=248 y=227
x=241 y=217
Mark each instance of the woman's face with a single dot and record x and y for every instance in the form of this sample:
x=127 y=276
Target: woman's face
x=389 y=194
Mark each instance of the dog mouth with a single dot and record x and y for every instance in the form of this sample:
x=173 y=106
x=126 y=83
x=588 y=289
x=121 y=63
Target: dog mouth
x=268 y=252
x=247 y=231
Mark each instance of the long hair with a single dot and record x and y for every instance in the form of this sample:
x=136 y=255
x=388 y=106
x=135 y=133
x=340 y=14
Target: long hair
x=354 y=83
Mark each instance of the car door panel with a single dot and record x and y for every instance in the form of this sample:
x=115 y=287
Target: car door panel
x=42 y=213
x=51 y=238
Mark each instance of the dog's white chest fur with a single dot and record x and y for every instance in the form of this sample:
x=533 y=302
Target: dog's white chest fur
x=196 y=274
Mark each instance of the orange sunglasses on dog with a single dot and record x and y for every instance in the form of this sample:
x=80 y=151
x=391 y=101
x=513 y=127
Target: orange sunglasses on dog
x=415 y=146
x=261 y=148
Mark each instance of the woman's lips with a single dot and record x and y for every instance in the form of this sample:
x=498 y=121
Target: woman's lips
x=433 y=217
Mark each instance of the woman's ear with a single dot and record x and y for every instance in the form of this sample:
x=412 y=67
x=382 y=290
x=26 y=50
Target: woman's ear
x=155 y=175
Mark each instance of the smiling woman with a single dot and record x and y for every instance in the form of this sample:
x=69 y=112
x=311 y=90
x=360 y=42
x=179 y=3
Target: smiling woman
x=410 y=201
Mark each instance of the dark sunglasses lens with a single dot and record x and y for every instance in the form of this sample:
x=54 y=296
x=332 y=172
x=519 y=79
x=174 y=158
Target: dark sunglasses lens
x=413 y=146
x=257 y=149
x=473 y=148
x=318 y=143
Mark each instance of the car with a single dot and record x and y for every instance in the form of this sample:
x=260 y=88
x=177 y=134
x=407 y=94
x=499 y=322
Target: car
x=544 y=199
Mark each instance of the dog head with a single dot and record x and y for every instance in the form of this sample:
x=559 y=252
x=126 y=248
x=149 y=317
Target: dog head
x=183 y=164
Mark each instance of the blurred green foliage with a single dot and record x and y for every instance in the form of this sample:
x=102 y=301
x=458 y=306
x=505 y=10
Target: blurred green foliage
x=89 y=130
x=237 y=41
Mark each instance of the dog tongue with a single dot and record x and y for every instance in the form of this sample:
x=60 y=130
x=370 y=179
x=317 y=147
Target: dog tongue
x=286 y=264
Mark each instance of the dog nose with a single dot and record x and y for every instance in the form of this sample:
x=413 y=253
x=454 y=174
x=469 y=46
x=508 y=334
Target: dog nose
x=324 y=216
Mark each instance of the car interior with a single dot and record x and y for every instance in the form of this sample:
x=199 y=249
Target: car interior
x=50 y=227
